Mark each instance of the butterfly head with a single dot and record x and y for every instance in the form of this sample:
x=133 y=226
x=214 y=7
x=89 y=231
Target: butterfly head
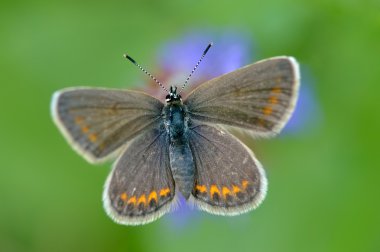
x=173 y=96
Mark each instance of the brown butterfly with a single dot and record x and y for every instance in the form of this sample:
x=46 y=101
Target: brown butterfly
x=181 y=145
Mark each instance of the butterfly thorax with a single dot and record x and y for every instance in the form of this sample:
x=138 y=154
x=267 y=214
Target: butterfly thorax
x=175 y=117
x=181 y=159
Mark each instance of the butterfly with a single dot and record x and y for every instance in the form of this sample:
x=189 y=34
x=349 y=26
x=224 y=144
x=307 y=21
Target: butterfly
x=164 y=148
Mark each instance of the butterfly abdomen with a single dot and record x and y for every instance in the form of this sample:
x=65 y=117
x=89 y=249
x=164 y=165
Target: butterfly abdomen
x=181 y=159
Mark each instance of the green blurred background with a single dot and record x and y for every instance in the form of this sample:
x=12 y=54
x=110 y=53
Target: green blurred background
x=323 y=181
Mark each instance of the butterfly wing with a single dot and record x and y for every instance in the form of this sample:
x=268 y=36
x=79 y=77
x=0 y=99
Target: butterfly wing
x=259 y=97
x=140 y=188
x=97 y=122
x=229 y=180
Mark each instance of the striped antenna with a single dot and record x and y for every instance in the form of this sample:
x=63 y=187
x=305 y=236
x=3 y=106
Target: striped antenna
x=146 y=72
x=199 y=61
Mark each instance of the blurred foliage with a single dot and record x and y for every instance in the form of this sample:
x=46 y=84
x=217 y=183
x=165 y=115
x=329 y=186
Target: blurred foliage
x=323 y=182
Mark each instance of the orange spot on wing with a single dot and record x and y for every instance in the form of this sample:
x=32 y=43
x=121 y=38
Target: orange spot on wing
x=132 y=200
x=85 y=129
x=244 y=184
x=152 y=195
x=92 y=137
x=201 y=188
x=225 y=191
x=276 y=90
x=236 y=189
x=273 y=100
x=214 y=189
x=164 y=192
x=142 y=199
x=123 y=197
x=267 y=110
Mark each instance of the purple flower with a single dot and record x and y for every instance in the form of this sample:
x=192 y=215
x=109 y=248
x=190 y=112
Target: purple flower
x=178 y=57
x=231 y=50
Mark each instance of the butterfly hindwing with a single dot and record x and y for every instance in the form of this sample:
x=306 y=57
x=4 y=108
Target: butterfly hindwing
x=259 y=97
x=99 y=121
x=229 y=180
x=140 y=187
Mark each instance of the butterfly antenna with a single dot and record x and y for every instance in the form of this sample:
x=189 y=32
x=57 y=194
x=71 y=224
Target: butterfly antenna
x=199 y=61
x=146 y=72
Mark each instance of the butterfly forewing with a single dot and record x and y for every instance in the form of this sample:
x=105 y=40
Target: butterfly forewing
x=228 y=180
x=259 y=97
x=99 y=121
x=141 y=188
